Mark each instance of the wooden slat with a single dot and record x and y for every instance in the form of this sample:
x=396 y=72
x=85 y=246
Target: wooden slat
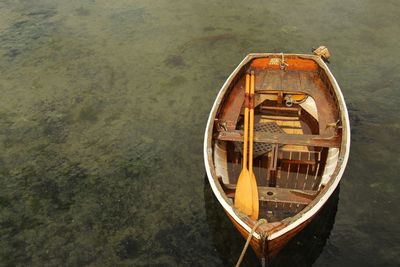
x=281 y=108
x=296 y=148
x=288 y=139
x=298 y=161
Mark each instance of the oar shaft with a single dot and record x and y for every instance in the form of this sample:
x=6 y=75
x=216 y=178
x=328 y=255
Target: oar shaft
x=246 y=123
x=251 y=126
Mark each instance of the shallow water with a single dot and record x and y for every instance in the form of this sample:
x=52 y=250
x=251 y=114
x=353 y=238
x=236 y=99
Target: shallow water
x=102 y=113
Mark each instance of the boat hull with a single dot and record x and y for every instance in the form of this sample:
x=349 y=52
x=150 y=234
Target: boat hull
x=267 y=242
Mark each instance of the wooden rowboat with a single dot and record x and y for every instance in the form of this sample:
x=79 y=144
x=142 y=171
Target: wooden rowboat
x=301 y=144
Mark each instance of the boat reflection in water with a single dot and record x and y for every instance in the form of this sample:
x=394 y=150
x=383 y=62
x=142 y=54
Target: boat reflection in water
x=302 y=250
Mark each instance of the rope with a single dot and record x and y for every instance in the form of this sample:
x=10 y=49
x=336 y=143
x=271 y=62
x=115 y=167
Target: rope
x=261 y=221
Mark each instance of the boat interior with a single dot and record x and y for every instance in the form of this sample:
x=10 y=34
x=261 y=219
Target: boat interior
x=297 y=134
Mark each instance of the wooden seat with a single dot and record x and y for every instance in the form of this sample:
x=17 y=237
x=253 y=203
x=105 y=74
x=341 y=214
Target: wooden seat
x=282 y=195
x=289 y=139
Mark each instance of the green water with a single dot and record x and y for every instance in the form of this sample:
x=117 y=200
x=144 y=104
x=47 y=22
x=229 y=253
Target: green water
x=102 y=113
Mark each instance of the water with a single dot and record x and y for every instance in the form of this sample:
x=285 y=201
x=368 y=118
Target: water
x=102 y=113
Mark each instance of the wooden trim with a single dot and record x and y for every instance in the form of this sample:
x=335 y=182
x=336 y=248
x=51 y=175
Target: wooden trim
x=277 y=108
x=298 y=161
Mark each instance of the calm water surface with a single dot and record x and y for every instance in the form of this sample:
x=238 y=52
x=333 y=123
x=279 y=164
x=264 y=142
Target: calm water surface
x=102 y=113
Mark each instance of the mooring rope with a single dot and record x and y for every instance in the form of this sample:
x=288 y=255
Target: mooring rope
x=261 y=221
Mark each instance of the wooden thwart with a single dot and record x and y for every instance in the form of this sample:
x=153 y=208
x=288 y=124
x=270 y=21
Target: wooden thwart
x=286 y=139
x=283 y=195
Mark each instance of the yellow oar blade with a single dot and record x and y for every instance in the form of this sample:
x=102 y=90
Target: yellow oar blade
x=243 y=193
x=254 y=194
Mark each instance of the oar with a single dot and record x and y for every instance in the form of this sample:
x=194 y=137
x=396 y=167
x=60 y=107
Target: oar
x=243 y=198
x=254 y=188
